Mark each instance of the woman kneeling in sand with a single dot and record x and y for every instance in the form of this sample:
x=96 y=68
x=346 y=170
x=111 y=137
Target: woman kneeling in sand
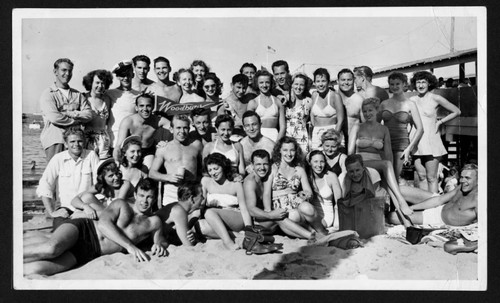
x=225 y=201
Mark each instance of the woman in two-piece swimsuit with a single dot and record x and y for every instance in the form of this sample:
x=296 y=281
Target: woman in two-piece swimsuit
x=430 y=147
x=109 y=187
x=223 y=145
x=325 y=185
x=226 y=204
x=335 y=159
x=268 y=107
x=397 y=113
x=287 y=186
x=372 y=141
x=327 y=110
x=297 y=112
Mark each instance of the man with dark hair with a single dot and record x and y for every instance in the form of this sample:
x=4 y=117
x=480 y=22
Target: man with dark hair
x=61 y=107
x=249 y=70
x=282 y=77
x=203 y=129
x=236 y=103
x=253 y=186
x=143 y=124
x=164 y=89
x=352 y=101
x=78 y=241
x=254 y=139
x=140 y=82
x=72 y=171
x=177 y=215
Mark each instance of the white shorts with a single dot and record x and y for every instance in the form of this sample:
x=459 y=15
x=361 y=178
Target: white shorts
x=432 y=216
x=271 y=133
x=169 y=194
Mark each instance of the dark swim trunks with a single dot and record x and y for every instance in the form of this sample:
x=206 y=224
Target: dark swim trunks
x=87 y=247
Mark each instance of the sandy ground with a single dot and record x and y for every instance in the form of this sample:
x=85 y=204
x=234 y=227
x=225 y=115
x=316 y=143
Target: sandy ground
x=381 y=258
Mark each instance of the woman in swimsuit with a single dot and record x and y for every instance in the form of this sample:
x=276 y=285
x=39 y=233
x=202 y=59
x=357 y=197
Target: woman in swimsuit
x=268 y=107
x=96 y=130
x=327 y=110
x=372 y=141
x=131 y=165
x=109 y=186
x=297 y=112
x=212 y=87
x=430 y=147
x=335 y=159
x=226 y=205
x=199 y=69
x=287 y=186
x=185 y=78
x=325 y=185
x=223 y=145
x=398 y=112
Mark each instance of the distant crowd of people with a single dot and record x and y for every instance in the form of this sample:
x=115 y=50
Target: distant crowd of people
x=274 y=153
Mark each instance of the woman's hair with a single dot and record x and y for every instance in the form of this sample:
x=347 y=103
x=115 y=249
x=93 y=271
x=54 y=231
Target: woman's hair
x=218 y=84
x=184 y=70
x=200 y=63
x=371 y=101
x=260 y=73
x=124 y=160
x=224 y=118
x=222 y=161
x=308 y=83
x=101 y=183
x=309 y=170
x=322 y=72
x=101 y=74
x=330 y=134
x=297 y=161
x=425 y=75
x=398 y=76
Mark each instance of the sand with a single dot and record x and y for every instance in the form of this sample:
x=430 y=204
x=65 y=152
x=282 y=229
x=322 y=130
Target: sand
x=381 y=258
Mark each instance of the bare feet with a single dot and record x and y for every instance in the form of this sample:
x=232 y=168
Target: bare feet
x=231 y=245
x=406 y=210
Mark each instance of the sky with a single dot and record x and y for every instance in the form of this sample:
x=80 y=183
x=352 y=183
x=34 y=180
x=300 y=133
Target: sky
x=226 y=38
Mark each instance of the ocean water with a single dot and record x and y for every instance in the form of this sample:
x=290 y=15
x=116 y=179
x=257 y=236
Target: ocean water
x=32 y=151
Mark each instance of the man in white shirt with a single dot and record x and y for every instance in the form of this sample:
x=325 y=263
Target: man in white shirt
x=72 y=170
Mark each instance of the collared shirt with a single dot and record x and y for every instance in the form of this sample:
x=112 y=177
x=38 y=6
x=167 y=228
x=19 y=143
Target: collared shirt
x=72 y=177
x=54 y=105
x=122 y=106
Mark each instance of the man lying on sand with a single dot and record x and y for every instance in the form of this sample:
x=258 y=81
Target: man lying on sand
x=177 y=215
x=456 y=208
x=78 y=241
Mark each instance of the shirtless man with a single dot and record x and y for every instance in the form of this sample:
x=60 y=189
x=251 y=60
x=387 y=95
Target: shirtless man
x=254 y=139
x=143 y=124
x=164 y=89
x=352 y=101
x=281 y=73
x=456 y=208
x=140 y=81
x=177 y=215
x=181 y=158
x=236 y=103
x=363 y=78
x=77 y=241
x=249 y=70
x=253 y=186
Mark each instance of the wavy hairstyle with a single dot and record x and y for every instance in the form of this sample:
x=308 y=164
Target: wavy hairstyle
x=101 y=74
x=123 y=160
x=425 y=75
x=276 y=158
x=222 y=161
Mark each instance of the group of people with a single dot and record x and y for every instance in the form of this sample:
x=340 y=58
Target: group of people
x=279 y=154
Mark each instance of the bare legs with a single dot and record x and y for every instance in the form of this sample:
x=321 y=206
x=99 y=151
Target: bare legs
x=218 y=219
x=427 y=173
x=387 y=170
x=397 y=163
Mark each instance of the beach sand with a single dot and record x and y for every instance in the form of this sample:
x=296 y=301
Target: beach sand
x=381 y=258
